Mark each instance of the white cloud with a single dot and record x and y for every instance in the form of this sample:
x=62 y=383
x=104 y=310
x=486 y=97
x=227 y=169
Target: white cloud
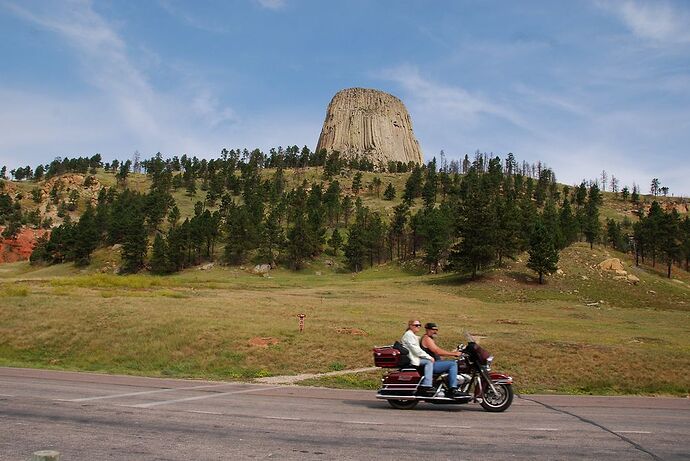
x=446 y=101
x=272 y=4
x=125 y=112
x=657 y=21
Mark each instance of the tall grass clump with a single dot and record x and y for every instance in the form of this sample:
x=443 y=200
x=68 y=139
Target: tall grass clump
x=13 y=291
x=111 y=281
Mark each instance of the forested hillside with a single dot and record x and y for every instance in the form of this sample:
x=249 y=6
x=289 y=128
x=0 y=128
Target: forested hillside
x=290 y=206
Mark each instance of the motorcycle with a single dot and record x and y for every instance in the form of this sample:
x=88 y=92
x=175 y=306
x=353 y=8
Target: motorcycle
x=479 y=384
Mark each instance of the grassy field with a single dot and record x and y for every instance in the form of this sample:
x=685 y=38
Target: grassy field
x=582 y=332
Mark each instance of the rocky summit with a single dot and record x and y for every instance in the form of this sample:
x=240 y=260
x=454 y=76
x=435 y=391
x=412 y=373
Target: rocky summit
x=369 y=123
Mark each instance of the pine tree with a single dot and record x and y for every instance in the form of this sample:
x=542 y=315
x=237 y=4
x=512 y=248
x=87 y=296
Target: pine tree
x=336 y=242
x=272 y=238
x=87 y=237
x=355 y=248
x=134 y=241
x=685 y=242
x=357 y=183
x=435 y=228
x=543 y=256
x=347 y=208
x=592 y=227
x=568 y=224
x=389 y=193
x=670 y=240
x=413 y=185
x=159 y=256
x=477 y=232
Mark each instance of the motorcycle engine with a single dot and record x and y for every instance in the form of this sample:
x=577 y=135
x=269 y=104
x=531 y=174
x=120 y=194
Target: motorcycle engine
x=462 y=379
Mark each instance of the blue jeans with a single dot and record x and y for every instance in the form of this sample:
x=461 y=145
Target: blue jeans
x=447 y=366
x=428 y=372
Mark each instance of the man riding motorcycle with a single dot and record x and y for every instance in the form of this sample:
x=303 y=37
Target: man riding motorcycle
x=428 y=344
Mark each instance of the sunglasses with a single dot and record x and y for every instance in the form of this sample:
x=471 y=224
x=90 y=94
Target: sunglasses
x=416 y=324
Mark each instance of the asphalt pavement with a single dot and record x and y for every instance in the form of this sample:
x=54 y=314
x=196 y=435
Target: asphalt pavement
x=89 y=416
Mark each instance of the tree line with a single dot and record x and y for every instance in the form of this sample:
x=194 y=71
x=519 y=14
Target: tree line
x=461 y=222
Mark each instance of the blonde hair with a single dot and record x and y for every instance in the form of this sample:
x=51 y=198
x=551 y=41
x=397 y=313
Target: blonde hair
x=411 y=322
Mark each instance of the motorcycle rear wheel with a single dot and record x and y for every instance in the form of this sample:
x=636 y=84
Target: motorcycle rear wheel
x=500 y=401
x=403 y=404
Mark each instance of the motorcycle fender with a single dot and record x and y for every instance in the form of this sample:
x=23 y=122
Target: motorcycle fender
x=500 y=378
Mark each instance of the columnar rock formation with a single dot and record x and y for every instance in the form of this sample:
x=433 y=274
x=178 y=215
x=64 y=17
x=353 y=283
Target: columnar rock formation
x=371 y=124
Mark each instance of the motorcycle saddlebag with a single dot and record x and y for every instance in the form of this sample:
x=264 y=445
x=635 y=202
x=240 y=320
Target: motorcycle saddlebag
x=387 y=357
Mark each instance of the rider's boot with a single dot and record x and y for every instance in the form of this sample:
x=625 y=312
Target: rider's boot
x=426 y=391
x=456 y=393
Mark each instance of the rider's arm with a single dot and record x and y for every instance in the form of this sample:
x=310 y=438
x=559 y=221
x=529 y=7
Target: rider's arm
x=430 y=344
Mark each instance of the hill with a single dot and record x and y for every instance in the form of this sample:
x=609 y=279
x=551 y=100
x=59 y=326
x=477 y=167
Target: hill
x=586 y=330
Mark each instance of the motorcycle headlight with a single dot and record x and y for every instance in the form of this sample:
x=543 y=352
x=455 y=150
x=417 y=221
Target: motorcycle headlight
x=489 y=361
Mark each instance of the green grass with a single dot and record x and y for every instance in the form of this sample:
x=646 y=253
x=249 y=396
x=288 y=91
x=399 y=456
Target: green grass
x=581 y=332
x=551 y=338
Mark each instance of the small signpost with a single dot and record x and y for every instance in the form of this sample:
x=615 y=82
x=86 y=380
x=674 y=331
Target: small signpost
x=301 y=322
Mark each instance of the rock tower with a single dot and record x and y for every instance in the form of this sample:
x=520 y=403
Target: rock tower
x=371 y=124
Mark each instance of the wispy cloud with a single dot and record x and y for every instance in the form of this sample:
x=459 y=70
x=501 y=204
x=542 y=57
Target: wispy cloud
x=272 y=4
x=182 y=14
x=656 y=21
x=446 y=101
x=181 y=118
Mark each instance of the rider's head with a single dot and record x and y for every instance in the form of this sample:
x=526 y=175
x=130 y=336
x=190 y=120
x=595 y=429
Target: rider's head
x=431 y=329
x=414 y=325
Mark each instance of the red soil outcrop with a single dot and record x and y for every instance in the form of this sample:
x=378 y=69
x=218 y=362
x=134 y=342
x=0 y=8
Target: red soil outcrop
x=20 y=247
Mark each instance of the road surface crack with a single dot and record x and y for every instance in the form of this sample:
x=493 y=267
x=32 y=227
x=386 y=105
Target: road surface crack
x=594 y=423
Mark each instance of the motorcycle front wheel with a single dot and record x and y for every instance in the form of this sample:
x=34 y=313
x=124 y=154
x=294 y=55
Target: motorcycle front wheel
x=499 y=401
x=403 y=404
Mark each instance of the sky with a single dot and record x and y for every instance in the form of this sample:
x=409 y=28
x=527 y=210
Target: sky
x=582 y=86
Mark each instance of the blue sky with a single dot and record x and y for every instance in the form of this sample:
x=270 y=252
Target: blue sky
x=583 y=86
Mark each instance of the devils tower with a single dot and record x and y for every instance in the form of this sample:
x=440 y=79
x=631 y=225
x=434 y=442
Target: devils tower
x=369 y=123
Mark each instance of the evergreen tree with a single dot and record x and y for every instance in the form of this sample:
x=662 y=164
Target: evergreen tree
x=336 y=241
x=551 y=221
x=347 y=208
x=476 y=227
x=436 y=231
x=357 y=183
x=376 y=186
x=159 y=256
x=685 y=241
x=272 y=237
x=299 y=246
x=331 y=202
x=413 y=185
x=173 y=216
x=134 y=241
x=568 y=225
x=87 y=237
x=430 y=187
x=389 y=193
x=543 y=256
x=592 y=227
x=355 y=248
x=635 y=196
x=670 y=239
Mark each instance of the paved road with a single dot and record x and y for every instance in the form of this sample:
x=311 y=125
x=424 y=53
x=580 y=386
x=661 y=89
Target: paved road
x=91 y=416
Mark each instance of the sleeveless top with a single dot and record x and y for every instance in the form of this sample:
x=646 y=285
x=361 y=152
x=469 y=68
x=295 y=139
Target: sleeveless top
x=428 y=351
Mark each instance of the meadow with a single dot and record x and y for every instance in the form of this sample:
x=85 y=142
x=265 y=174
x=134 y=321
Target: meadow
x=582 y=332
